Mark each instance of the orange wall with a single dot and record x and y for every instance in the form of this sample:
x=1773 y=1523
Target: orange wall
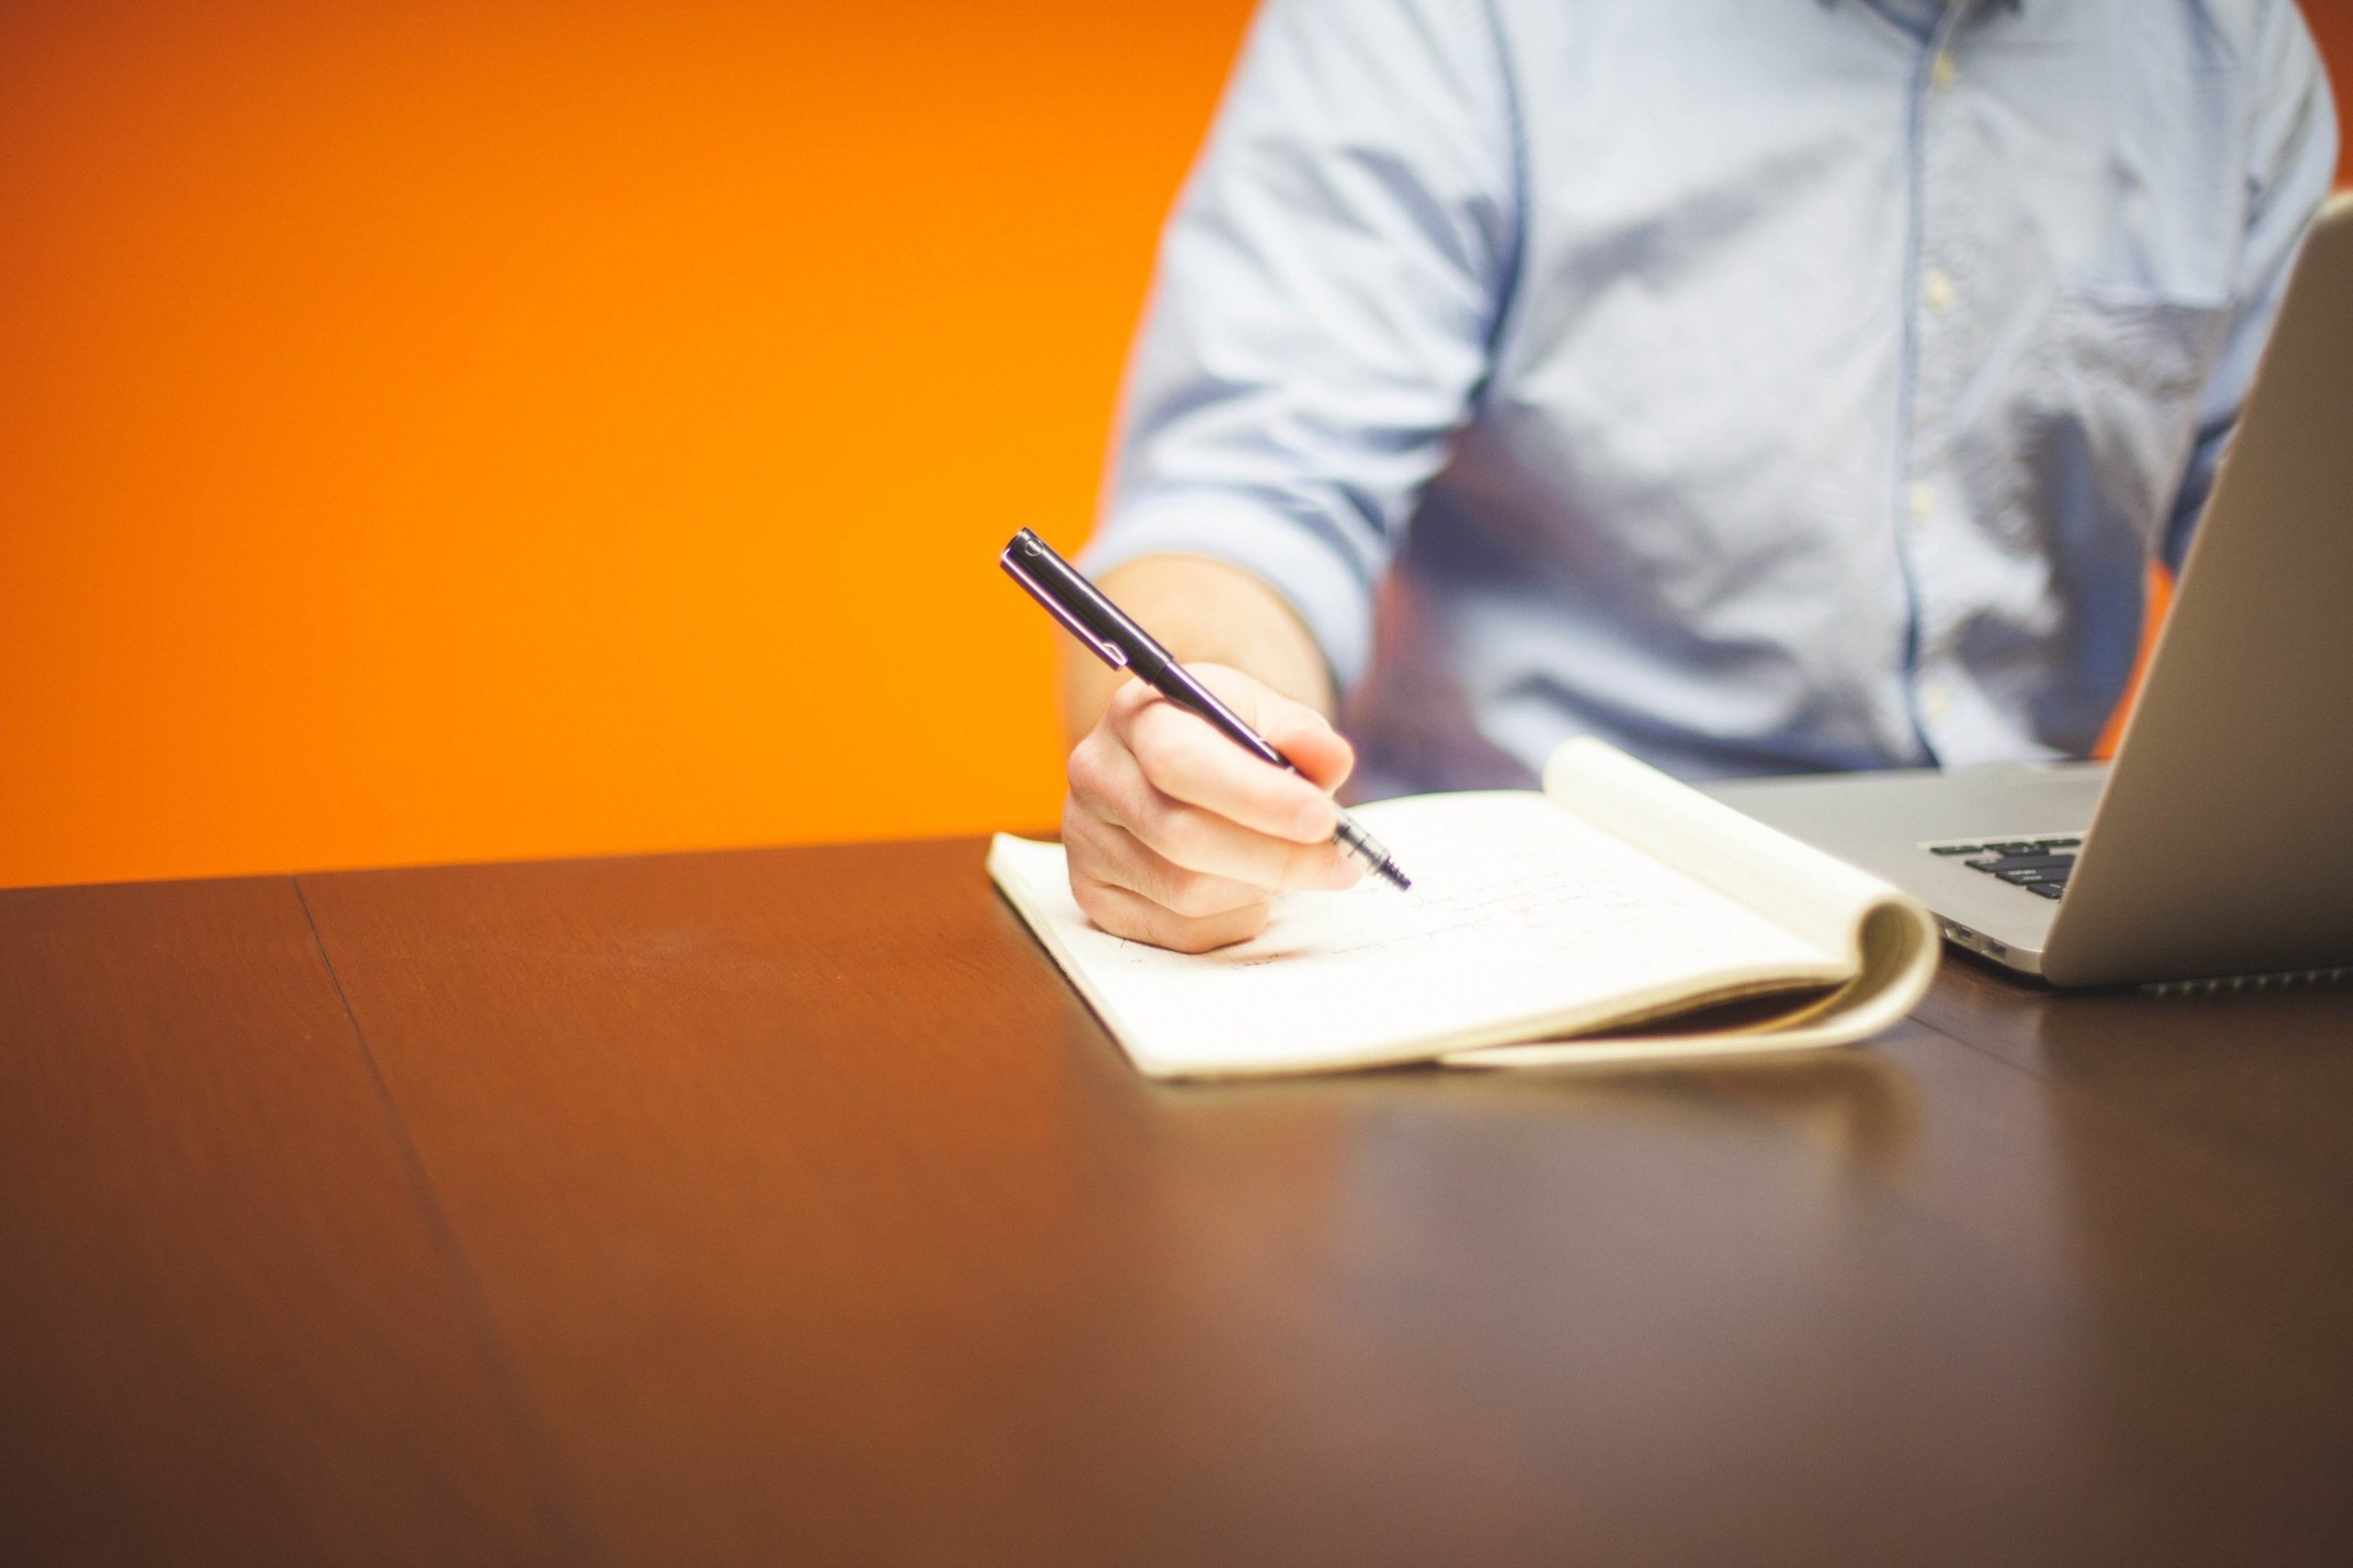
x=447 y=431
x=451 y=430
x=2332 y=25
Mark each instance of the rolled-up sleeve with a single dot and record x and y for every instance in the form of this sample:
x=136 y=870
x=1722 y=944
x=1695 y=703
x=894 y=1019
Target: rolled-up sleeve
x=2293 y=144
x=1326 y=306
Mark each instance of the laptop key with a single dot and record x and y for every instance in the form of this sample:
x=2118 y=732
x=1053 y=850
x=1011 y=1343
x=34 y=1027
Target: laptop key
x=2048 y=889
x=2013 y=846
x=1956 y=849
x=2021 y=876
x=2002 y=863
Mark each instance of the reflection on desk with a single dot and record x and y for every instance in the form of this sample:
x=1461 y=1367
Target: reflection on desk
x=784 y=1206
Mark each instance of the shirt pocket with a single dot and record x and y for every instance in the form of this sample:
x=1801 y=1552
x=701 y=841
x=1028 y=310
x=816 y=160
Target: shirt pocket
x=2113 y=409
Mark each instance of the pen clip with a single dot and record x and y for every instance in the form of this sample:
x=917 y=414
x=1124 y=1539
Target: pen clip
x=1109 y=652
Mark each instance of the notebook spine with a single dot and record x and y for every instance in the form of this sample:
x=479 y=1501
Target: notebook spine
x=2279 y=979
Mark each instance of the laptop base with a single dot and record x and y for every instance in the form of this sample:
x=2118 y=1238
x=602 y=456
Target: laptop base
x=1887 y=822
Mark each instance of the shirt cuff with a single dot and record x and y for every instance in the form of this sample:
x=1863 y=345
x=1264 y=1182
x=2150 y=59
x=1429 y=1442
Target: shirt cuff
x=1312 y=573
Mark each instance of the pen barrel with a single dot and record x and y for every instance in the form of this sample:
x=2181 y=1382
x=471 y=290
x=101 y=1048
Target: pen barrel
x=1119 y=641
x=1173 y=681
x=1350 y=834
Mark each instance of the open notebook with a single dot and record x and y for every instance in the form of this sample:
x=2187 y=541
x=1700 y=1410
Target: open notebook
x=1570 y=925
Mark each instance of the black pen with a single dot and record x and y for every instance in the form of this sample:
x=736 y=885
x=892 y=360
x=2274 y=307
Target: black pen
x=1123 y=644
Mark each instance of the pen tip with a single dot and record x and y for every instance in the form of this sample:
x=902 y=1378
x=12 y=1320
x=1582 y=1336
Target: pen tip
x=1387 y=870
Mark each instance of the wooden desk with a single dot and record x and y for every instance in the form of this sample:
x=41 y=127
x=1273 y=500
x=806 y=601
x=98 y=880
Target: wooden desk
x=785 y=1207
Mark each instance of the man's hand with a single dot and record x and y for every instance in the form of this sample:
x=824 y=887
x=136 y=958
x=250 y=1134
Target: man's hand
x=1179 y=837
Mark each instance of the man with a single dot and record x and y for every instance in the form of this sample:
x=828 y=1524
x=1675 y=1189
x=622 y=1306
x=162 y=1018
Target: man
x=1761 y=385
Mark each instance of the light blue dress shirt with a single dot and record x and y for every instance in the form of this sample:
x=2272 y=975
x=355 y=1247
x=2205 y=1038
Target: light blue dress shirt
x=1760 y=385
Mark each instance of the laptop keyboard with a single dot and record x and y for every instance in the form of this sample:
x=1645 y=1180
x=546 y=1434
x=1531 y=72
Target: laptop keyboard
x=2039 y=866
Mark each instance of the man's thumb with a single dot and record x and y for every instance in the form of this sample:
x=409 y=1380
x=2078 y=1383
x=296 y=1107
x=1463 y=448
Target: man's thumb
x=1319 y=751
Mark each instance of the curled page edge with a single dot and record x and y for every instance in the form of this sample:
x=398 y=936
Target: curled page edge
x=1896 y=945
x=1892 y=941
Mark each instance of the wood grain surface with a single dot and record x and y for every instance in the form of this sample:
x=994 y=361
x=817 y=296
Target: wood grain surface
x=786 y=1206
x=826 y=1225
x=232 y=1328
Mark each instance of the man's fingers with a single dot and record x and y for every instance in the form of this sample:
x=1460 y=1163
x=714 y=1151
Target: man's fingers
x=1197 y=839
x=1125 y=913
x=1177 y=836
x=1184 y=757
x=1296 y=730
x=1314 y=746
x=1108 y=782
x=1110 y=853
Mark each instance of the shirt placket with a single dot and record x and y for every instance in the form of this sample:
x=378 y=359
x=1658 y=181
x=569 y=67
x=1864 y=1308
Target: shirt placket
x=1932 y=509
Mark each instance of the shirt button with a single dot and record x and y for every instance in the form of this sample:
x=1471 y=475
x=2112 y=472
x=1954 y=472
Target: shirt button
x=1941 y=70
x=1935 y=700
x=1923 y=503
x=1937 y=288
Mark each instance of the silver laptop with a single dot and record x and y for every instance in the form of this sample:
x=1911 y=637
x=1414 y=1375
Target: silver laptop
x=2220 y=841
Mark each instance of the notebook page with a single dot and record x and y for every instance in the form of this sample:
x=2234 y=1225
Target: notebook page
x=1522 y=920
x=1890 y=938
x=1797 y=886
